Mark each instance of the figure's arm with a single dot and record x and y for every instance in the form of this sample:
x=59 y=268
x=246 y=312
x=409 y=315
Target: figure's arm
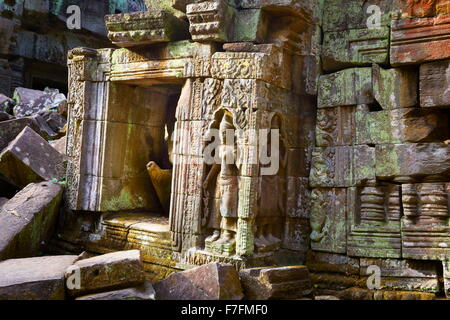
x=215 y=169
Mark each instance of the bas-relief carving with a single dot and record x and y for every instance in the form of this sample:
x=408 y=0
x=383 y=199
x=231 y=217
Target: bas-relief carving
x=224 y=214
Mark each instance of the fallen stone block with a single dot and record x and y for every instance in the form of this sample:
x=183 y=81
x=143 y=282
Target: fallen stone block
x=54 y=120
x=6 y=104
x=213 y=281
x=276 y=283
x=11 y=128
x=142 y=292
x=108 y=272
x=40 y=278
x=31 y=101
x=28 y=219
x=29 y=158
x=5 y=116
x=60 y=145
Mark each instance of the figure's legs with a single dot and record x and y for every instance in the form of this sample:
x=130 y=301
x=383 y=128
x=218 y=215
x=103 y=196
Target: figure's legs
x=270 y=231
x=228 y=232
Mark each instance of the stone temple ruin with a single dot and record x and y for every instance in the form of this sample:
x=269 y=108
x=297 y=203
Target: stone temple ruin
x=359 y=92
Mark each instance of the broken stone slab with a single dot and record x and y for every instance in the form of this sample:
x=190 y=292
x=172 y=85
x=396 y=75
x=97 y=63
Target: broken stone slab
x=435 y=84
x=290 y=282
x=408 y=162
x=143 y=28
x=31 y=101
x=28 y=219
x=142 y=292
x=29 y=158
x=39 y=278
x=213 y=281
x=11 y=128
x=395 y=88
x=112 y=271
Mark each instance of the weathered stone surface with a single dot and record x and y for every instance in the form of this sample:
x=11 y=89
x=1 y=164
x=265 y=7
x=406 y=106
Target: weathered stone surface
x=29 y=158
x=213 y=281
x=419 y=40
x=435 y=84
x=276 y=283
x=143 y=28
x=40 y=278
x=395 y=88
x=409 y=161
x=400 y=125
x=329 y=220
x=339 y=15
x=142 y=292
x=342 y=166
x=28 y=220
x=345 y=88
x=332 y=262
x=108 y=272
x=356 y=47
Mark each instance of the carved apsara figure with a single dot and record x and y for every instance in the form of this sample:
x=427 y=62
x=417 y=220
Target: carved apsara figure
x=225 y=175
x=271 y=208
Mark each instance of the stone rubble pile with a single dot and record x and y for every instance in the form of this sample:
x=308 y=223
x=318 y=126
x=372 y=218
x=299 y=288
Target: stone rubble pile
x=32 y=138
x=113 y=276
